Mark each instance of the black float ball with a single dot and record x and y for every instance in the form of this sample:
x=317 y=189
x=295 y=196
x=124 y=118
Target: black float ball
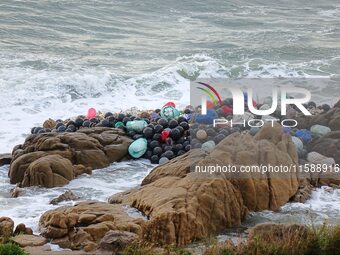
x=78 y=122
x=120 y=117
x=180 y=140
x=158 y=128
x=157 y=137
x=108 y=114
x=178 y=147
x=181 y=119
x=188 y=147
x=41 y=131
x=326 y=107
x=148 y=154
x=157 y=151
x=184 y=125
x=59 y=124
x=131 y=133
x=33 y=130
x=148 y=132
x=125 y=120
x=86 y=123
x=167 y=148
x=181 y=130
x=175 y=134
x=181 y=152
x=154 y=159
x=137 y=136
x=154 y=144
x=173 y=123
x=211 y=132
x=219 y=138
x=186 y=143
x=105 y=123
x=169 y=154
x=48 y=130
x=94 y=120
x=163 y=122
x=72 y=128
x=71 y=122
x=61 y=129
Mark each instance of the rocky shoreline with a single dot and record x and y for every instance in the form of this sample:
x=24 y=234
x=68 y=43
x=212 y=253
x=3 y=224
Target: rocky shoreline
x=179 y=206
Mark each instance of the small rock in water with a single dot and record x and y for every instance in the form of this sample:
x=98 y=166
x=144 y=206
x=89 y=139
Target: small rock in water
x=66 y=196
x=5 y=159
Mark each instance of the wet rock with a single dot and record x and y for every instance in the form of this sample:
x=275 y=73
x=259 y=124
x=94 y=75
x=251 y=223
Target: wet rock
x=29 y=240
x=304 y=192
x=116 y=241
x=53 y=159
x=5 y=159
x=17 y=191
x=66 y=196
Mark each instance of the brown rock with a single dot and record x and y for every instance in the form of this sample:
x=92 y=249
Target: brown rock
x=184 y=205
x=6 y=227
x=5 y=159
x=49 y=171
x=53 y=159
x=116 y=241
x=82 y=226
x=22 y=229
x=29 y=240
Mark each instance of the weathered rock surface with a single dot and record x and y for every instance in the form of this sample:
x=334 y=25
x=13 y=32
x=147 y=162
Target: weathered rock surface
x=53 y=159
x=5 y=159
x=83 y=226
x=29 y=240
x=184 y=205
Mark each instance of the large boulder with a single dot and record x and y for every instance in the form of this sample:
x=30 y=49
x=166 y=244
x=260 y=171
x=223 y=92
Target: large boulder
x=53 y=159
x=6 y=227
x=184 y=205
x=83 y=226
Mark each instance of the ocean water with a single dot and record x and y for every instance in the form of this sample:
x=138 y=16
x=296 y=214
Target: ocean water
x=59 y=58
